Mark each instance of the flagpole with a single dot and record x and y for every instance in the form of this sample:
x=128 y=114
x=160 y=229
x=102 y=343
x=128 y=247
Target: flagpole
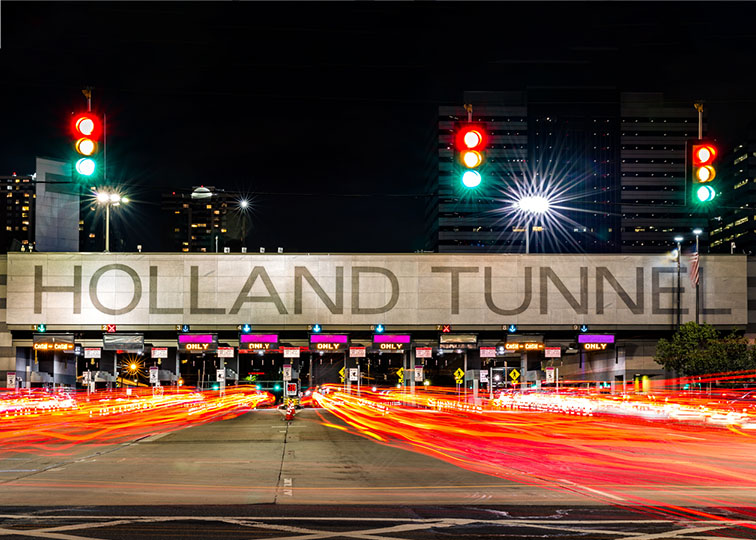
x=697 y=232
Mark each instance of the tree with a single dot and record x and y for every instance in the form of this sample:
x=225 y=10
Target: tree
x=699 y=349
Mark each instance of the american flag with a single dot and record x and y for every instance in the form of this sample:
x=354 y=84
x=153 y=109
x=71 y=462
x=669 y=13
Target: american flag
x=694 y=269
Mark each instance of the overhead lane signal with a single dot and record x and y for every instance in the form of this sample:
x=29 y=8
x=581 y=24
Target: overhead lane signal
x=701 y=157
x=470 y=141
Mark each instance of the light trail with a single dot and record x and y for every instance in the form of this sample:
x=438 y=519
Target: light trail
x=620 y=450
x=53 y=424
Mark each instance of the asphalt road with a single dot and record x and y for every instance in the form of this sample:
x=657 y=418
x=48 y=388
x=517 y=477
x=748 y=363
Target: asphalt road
x=256 y=476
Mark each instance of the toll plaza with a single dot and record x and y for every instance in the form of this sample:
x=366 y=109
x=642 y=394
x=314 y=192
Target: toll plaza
x=480 y=323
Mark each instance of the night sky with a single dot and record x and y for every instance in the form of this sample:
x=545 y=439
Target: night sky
x=323 y=113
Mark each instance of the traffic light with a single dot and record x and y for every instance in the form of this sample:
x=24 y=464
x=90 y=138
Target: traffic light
x=470 y=141
x=86 y=129
x=702 y=171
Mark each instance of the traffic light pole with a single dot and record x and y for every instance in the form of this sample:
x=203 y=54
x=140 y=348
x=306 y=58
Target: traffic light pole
x=699 y=108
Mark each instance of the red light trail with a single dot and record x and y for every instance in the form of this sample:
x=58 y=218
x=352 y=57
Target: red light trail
x=620 y=450
x=52 y=424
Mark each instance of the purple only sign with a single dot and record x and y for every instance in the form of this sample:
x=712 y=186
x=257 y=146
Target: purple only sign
x=596 y=338
x=329 y=338
x=195 y=338
x=258 y=338
x=391 y=338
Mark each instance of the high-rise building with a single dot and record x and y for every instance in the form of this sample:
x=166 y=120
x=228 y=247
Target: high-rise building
x=205 y=220
x=17 y=213
x=654 y=206
x=731 y=222
x=612 y=165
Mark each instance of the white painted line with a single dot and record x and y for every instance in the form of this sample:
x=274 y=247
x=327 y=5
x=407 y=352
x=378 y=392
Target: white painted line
x=154 y=437
x=18 y=470
x=287 y=482
x=40 y=534
x=603 y=493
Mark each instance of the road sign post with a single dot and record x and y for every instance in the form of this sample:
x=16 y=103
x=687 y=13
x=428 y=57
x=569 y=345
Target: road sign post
x=154 y=376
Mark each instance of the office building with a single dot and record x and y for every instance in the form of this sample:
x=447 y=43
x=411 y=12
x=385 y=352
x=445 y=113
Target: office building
x=17 y=213
x=731 y=223
x=203 y=220
x=654 y=206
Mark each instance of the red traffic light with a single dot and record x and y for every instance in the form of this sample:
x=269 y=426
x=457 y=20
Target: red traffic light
x=704 y=154
x=471 y=137
x=86 y=125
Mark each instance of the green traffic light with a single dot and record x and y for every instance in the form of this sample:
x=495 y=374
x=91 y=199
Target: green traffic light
x=471 y=179
x=85 y=167
x=277 y=387
x=705 y=194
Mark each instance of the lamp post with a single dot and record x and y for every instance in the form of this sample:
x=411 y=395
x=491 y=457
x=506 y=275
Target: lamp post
x=678 y=239
x=109 y=198
x=243 y=208
x=697 y=232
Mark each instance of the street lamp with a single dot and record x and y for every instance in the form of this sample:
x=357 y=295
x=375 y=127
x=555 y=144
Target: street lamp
x=531 y=205
x=243 y=209
x=678 y=239
x=109 y=198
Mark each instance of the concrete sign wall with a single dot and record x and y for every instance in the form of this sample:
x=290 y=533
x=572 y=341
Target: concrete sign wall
x=148 y=289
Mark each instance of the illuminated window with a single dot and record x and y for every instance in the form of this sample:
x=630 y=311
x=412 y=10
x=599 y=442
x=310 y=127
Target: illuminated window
x=176 y=230
x=209 y=206
x=92 y=235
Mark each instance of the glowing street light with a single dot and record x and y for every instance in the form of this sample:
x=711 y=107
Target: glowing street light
x=109 y=198
x=531 y=205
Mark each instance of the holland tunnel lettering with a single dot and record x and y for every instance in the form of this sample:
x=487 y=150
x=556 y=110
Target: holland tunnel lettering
x=352 y=289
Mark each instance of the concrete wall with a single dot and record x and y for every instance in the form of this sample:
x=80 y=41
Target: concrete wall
x=56 y=207
x=7 y=350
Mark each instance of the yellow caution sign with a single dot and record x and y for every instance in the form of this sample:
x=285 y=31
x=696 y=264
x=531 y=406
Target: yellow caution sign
x=400 y=373
x=341 y=374
x=514 y=375
x=459 y=376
